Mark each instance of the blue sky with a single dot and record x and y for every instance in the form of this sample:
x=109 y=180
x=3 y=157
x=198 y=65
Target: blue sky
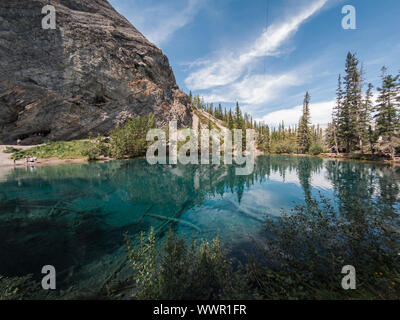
x=267 y=53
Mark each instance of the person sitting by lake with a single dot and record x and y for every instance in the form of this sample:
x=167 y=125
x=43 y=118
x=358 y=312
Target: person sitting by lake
x=30 y=160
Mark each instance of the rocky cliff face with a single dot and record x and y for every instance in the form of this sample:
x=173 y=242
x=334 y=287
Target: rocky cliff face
x=88 y=75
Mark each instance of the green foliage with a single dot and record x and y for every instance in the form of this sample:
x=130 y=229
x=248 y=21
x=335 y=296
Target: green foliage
x=182 y=270
x=304 y=132
x=130 y=139
x=283 y=147
x=22 y=288
x=97 y=147
x=387 y=113
x=307 y=249
x=60 y=149
x=11 y=150
x=316 y=149
x=9 y=288
x=301 y=257
x=264 y=140
x=348 y=113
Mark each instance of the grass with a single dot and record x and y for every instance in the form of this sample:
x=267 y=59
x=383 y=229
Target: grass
x=61 y=150
x=11 y=150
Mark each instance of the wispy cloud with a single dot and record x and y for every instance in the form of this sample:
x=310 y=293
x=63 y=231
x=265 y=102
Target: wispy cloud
x=158 y=22
x=255 y=89
x=229 y=68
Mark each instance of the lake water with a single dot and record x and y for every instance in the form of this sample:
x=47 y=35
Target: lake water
x=74 y=216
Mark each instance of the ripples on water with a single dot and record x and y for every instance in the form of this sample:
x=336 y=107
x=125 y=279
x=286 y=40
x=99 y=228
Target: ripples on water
x=74 y=216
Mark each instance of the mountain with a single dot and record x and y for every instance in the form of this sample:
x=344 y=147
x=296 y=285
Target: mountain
x=88 y=75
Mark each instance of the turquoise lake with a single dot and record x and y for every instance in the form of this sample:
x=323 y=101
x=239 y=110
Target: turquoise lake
x=74 y=216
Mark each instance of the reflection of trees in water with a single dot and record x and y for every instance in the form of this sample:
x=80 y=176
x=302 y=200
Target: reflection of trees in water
x=58 y=213
x=357 y=183
x=389 y=187
x=305 y=167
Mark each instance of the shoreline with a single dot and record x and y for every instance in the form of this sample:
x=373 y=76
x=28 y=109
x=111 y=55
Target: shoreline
x=5 y=160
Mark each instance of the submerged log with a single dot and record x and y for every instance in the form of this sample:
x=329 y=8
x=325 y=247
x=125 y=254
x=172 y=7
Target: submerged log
x=191 y=225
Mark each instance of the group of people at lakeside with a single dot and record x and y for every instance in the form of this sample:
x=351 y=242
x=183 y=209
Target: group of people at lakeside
x=28 y=161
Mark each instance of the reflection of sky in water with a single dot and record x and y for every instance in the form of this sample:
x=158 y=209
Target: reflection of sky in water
x=75 y=216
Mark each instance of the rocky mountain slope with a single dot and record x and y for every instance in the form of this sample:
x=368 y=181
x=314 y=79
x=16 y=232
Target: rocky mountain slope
x=88 y=75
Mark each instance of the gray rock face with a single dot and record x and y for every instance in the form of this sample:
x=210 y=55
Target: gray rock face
x=90 y=74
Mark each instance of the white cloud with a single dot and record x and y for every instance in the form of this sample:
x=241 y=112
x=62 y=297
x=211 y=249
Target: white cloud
x=321 y=113
x=255 y=89
x=159 y=22
x=228 y=69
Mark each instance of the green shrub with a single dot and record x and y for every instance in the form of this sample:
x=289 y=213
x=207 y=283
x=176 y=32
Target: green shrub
x=130 y=139
x=301 y=257
x=315 y=149
x=11 y=150
x=96 y=148
x=23 y=288
x=182 y=270
x=286 y=146
x=307 y=249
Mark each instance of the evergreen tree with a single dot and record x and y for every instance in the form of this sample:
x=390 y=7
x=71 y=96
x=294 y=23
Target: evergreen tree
x=220 y=115
x=304 y=133
x=365 y=122
x=335 y=115
x=238 y=117
x=230 y=120
x=387 y=117
x=348 y=114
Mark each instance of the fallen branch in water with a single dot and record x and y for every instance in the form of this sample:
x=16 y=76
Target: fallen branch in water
x=191 y=225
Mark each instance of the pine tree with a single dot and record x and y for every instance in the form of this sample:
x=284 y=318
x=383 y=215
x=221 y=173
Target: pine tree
x=220 y=115
x=238 y=117
x=335 y=115
x=362 y=113
x=304 y=134
x=365 y=121
x=230 y=120
x=387 y=117
x=348 y=114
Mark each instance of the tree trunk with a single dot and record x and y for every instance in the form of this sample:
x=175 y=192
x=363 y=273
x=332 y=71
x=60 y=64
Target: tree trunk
x=336 y=143
x=391 y=148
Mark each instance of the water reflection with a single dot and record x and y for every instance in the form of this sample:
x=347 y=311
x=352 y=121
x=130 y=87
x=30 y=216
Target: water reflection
x=74 y=216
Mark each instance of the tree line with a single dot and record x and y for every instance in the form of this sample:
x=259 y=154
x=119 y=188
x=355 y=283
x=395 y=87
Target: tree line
x=302 y=138
x=358 y=124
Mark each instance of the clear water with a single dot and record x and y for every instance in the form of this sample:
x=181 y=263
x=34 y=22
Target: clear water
x=74 y=216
